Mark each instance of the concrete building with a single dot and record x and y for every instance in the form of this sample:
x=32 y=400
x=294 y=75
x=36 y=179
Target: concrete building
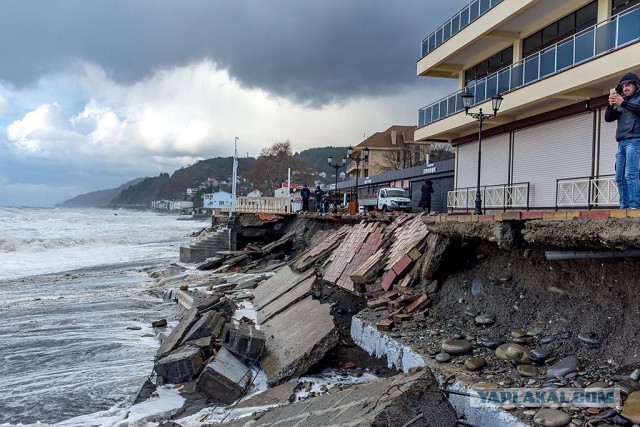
x=220 y=201
x=554 y=64
x=392 y=149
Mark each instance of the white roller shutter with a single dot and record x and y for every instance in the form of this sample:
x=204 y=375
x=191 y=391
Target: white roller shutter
x=554 y=150
x=608 y=147
x=495 y=162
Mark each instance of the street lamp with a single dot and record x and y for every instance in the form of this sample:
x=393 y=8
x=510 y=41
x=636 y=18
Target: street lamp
x=336 y=167
x=356 y=158
x=467 y=99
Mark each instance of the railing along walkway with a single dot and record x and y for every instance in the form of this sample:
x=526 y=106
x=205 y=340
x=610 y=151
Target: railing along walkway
x=500 y=196
x=587 y=191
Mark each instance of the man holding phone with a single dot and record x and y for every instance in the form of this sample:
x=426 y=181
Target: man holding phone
x=624 y=106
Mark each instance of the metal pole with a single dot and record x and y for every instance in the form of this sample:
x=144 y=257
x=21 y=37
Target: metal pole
x=234 y=176
x=335 y=198
x=357 y=173
x=478 y=208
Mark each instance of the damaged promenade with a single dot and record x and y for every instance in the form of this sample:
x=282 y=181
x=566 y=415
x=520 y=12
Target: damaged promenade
x=452 y=303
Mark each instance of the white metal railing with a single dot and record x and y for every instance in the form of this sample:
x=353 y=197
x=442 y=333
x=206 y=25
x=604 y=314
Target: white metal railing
x=263 y=204
x=493 y=196
x=613 y=33
x=467 y=15
x=587 y=191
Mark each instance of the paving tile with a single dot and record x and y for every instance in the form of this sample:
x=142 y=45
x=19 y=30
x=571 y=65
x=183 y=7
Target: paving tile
x=388 y=280
x=596 y=214
x=422 y=301
x=531 y=215
x=402 y=265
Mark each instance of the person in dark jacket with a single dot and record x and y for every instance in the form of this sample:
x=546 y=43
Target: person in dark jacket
x=425 y=198
x=319 y=205
x=624 y=106
x=305 y=195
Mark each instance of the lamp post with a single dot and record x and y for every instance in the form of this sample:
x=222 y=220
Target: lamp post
x=467 y=99
x=336 y=167
x=356 y=158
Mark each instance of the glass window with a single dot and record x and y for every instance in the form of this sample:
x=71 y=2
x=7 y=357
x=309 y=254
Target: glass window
x=618 y=6
x=587 y=16
x=567 y=26
x=532 y=44
x=550 y=34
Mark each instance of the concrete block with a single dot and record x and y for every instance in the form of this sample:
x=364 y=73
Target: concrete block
x=414 y=254
x=204 y=344
x=210 y=324
x=284 y=301
x=244 y=341
x=177 y=334
x=224 y=379
x=618 y=213
x=384 y=325
x=298 y=338
x=180 y=365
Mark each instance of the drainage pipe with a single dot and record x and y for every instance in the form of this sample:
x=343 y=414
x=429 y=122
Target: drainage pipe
x=561 y=255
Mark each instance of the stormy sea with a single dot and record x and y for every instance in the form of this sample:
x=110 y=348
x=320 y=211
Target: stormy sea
x=76 y=307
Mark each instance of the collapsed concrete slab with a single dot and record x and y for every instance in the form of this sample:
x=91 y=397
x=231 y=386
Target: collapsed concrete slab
x=298 y=338
x=282 y=282
x=224 y=379
x=177 y=334
x=244 y=341
x=402 y=400
x=300 y=291
x=209 y=325
x=180 y=365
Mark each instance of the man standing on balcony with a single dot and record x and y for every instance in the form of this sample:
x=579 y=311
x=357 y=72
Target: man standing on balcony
x=624 y=106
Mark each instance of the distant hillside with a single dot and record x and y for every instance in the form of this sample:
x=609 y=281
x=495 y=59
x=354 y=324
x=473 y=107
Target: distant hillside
x=97 y=199
x=143 y=191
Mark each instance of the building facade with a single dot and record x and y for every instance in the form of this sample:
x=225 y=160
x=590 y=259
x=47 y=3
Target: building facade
x=392 y=149
x=554 y=64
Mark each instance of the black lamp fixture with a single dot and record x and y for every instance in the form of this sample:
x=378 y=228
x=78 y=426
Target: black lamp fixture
x=336 y=166
x=357 y=158
x=467 y=100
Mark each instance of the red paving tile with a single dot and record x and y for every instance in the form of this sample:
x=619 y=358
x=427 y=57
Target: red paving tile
x=422 y=301
x=388 y=280
x=403 y=265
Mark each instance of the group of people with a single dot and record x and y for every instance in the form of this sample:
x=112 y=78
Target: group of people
x=624 y=106
x=318 y=195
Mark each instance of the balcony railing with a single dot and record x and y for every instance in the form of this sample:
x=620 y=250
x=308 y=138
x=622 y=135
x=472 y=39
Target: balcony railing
x=501 y=196
x=263 y=204
x=470 y=13
x=587 y=192
x=614 y=33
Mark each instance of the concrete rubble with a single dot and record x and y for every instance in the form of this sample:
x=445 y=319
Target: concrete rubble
x=244 y=341
x=411 y=399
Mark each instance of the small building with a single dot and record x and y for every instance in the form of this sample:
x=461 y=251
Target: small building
x=220 y=200
x=255 y=193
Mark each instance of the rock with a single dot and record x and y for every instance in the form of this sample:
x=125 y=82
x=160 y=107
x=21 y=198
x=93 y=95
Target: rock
x=443 y=357
x=627 y=386
x=518 y=333
x=484 y=320
x=635 y=375
x=514 y=352
x=475 y=363
x=547 y=339
x=493 y=344
x=566 y=335
x=631 y=408
x=184 y=287
x=528 y=370
x=539 y=355
x=134 y=328
x=622 y=421
x=563 y=367
x=456 y=346
x=589 y=338
x=159 y=323
x=432 y=288
x=551 y=418
x=476 y=286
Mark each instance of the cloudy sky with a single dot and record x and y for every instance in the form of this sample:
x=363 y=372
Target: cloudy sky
x=95 y=93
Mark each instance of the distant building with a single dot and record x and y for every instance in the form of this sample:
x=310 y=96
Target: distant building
x=393 y=149
x=255 y=193
x=220 y=200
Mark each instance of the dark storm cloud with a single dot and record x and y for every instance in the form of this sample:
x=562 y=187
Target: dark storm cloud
x=309 y=51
